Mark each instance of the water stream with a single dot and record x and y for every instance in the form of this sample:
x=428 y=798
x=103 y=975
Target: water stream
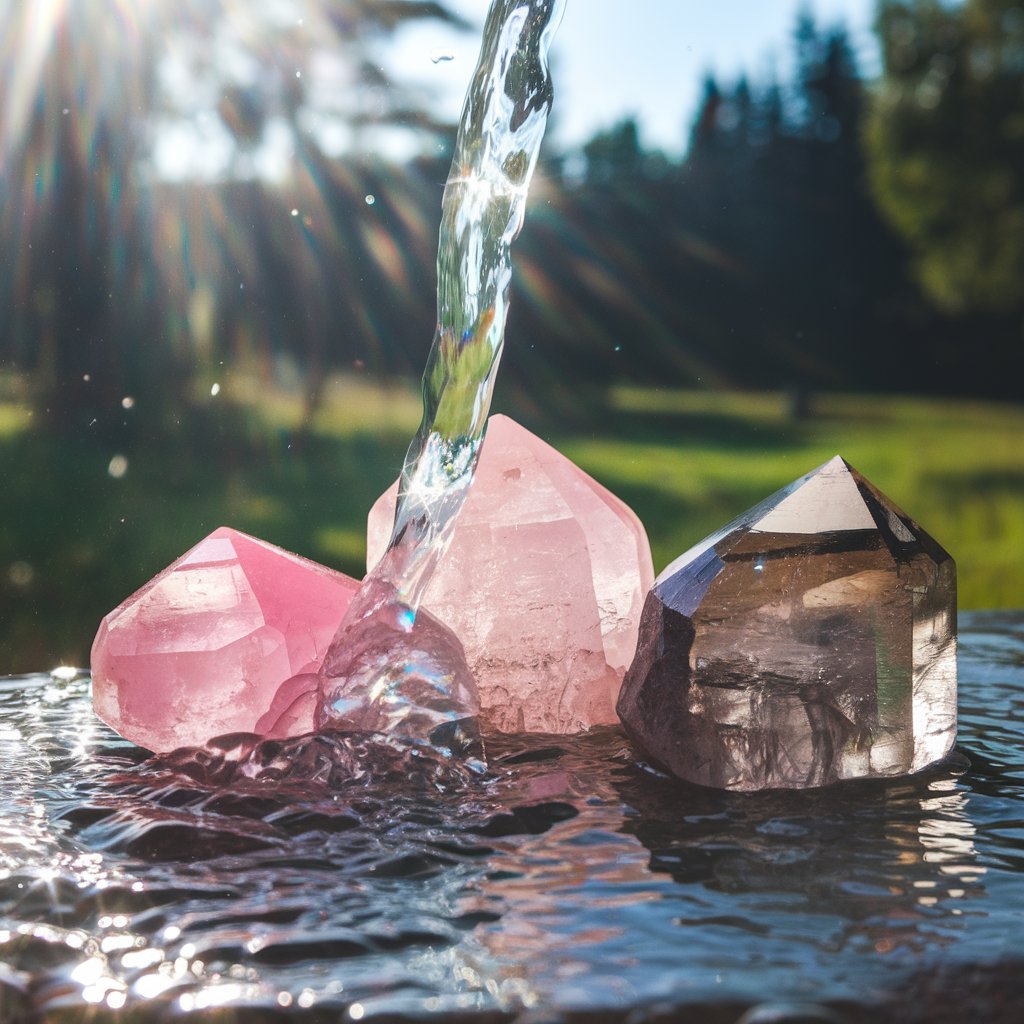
x=386 y=672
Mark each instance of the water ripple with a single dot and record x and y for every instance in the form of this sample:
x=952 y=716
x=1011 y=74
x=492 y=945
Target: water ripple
x=340 y=874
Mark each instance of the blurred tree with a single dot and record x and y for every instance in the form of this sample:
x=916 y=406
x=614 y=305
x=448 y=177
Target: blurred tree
x=946 y=144
x=843 y=266
x=301 y=74
x=108 y=295
x=73 y=219
x=705 y=133
x=308 y=95
x=615 y=153
x=775 y=180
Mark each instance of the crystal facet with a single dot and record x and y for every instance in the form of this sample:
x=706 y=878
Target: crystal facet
x=203 y=648
x=813 y=639
x=543 y=584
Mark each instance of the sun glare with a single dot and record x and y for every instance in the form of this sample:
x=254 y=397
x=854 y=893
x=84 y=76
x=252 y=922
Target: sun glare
x=26 y=46
x=76 y=52
x=156 y=148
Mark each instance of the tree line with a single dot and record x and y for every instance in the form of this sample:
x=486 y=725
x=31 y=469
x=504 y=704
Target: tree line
x=824 y=232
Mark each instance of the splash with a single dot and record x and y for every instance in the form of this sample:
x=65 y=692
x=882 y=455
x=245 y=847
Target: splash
x=385 y=670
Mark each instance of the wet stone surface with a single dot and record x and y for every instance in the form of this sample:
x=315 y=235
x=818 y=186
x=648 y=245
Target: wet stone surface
x=338 y=879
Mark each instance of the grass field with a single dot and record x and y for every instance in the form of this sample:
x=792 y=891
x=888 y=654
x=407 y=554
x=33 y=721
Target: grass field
x=75 y=539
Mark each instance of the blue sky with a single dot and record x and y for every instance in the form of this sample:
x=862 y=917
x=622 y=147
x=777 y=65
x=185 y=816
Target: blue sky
x=648 y=62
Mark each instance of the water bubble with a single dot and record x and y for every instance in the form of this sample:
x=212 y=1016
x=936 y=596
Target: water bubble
x=440 y=56
x=371 y=199
x=214 y=389
x=295 y=212
x=65 y=111
x=117 y=467
x=127 y=402
x=356 y=1011
x=298 y=74
x=21 y=574
x=86 y=377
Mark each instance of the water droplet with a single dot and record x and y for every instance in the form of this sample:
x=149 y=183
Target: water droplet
x=21 y=574
x=440 y=56
x=295 y=213
x=127 y=402
x=117 y=467
x=298 y=74
x=371 y=199
x=65 y=111
x=356 y=1011
x=86 y=377
x=215 y=390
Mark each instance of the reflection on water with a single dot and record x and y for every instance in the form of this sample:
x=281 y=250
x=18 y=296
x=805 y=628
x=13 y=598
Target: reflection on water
x=568 y=878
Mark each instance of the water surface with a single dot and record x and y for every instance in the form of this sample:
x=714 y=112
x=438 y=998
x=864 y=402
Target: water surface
x=569 y=880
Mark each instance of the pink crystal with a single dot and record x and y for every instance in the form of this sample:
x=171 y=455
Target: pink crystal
x=203 y=648
x=543 y=584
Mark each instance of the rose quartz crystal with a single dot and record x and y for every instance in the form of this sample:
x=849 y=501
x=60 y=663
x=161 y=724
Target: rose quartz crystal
x=543 y=584
x=203 y=648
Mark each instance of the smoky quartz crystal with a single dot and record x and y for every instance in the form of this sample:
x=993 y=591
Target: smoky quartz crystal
x=811 y=640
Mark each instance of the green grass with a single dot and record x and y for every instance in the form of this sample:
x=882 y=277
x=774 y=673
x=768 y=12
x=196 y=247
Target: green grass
x=688 y=462
x=74 y=541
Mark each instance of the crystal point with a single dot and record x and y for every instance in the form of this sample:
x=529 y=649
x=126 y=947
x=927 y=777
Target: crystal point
x=813 y=639
x=203 y=648
x=543 y=585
